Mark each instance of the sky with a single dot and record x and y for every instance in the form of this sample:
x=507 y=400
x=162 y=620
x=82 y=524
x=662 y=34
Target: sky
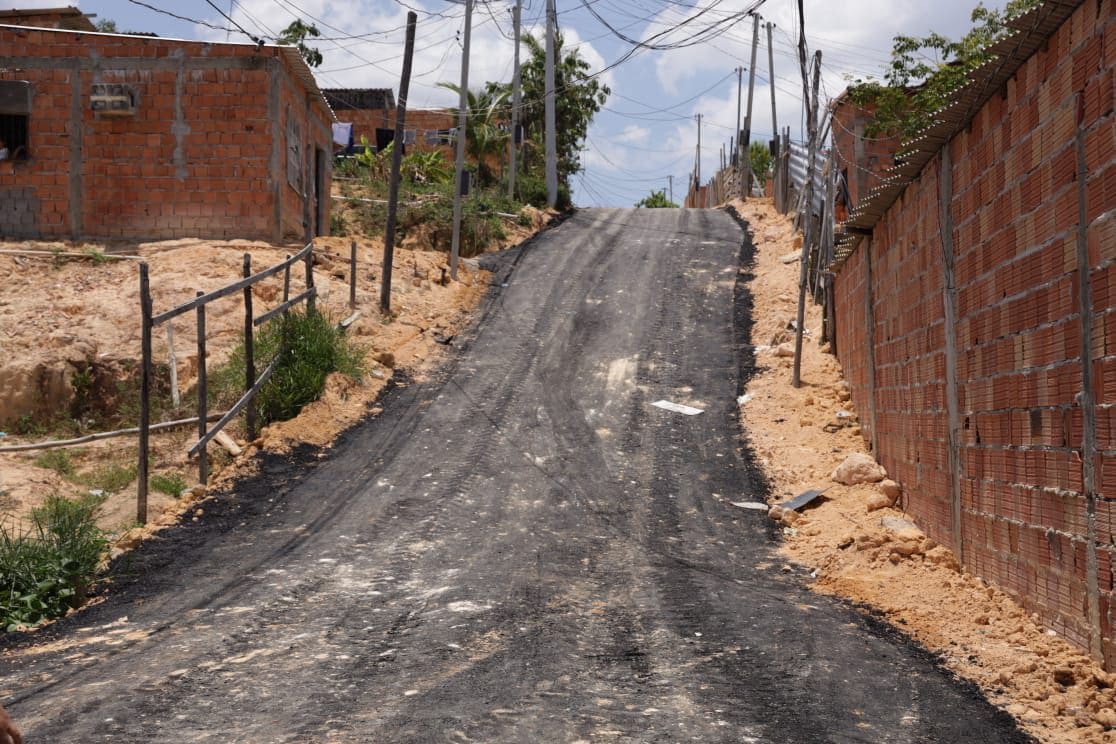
x=647 y=132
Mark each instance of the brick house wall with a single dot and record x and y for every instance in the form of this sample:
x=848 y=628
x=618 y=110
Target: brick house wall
x=1022 y=423
x=366 y=121
x=205 y=153
x=861 y=158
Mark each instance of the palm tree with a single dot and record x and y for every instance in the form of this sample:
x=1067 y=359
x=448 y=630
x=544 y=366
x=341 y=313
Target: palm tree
x=484 y=139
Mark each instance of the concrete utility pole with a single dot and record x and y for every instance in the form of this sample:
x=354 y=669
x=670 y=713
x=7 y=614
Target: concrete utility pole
x=396 y=161
x=697 y=163
x=670 y=180
x=515 y=102
x=739 y=101
x=551 y=134
x=808 y=200
x=746 y=140
x=771 y=80
x=459 y=167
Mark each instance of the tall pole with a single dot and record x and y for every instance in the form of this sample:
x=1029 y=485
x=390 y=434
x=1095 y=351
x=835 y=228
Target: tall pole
x=670 y=180
x=771 y=81
x=459 y=167
x=515 y=101
x=812 y=125
x=739 y=100
x=551 y=134
x=746 y=140
x=697 y=164
x=396 y=162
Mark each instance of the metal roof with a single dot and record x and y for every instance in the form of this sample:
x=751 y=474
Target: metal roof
x=1030 y=32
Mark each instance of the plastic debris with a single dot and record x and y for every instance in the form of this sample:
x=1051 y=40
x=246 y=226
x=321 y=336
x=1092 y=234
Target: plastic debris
x=666 y=405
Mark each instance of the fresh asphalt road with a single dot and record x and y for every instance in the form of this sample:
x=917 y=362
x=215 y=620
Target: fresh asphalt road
x=521 y=549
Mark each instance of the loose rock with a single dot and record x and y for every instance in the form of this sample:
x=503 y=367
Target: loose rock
x=784 y=350
x=890 y=489
x=878 y=501
x=858 y=468
x=1064 y=676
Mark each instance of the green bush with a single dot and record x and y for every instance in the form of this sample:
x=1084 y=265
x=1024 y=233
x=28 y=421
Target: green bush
x=308 y=346
x=57 y=460
x=47 y=571
x=110 y=479
x=532 y=190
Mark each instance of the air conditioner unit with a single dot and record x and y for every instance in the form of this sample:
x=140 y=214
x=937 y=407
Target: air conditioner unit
x=113 y=100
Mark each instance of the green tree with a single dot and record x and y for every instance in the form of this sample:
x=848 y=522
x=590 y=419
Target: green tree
x=760 y=158
x=296 y=34
x=107 y=26
x=656 y=200
x=484 y=139
x=578 y=97
x=926 y=70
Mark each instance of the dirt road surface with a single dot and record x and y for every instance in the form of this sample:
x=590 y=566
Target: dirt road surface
x=522 y=549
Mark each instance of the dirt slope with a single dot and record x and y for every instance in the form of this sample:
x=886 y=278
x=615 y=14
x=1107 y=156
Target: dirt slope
x=1057 y=693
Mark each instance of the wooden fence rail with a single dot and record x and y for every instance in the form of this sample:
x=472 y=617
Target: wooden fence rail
x=252 y=384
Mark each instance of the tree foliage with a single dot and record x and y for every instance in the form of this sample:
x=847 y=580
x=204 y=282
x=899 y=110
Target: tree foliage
x=484 y=138
x=578 y=97
x=656 y=200
x=296 y=34
x=760 y=158
x=926 y=70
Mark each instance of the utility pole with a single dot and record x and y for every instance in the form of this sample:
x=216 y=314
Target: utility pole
x=459 y=167
x=697 y=163
x=771 y=80
x=739 y=99
x=812 y=125
x=670 y=180
x=746 y=139
x=551 y=134
x=515 y=101
x=396 y=161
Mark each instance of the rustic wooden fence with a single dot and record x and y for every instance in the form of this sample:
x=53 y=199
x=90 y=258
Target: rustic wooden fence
x=252 y=383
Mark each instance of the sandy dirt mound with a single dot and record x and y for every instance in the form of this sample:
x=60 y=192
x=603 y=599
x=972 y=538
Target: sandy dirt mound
x=862 y=548
x=61 y=318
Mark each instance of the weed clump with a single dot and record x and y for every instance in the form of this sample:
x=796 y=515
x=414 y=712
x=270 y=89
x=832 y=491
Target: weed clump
x=47 y=570
x=306 y=347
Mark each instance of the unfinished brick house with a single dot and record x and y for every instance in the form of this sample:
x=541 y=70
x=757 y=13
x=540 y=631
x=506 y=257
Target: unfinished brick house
x=69 y=18
x=134 y=137
x=976 y=320
x=369 y=109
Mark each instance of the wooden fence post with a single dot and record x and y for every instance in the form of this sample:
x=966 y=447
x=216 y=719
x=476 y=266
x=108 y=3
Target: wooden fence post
x=310 y=280
x=203 y=460
x=249 y=353
x=145 y=394
x=287 y=281
x=352 y=275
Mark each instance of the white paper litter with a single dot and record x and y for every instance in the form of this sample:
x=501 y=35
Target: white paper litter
x=677 y=407
x=753 y=505
x=743 y=399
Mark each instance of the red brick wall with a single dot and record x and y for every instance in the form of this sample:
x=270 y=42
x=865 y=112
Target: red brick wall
x=863 y=159
x=365 y=122
x=1019 y=372
x=196 y=159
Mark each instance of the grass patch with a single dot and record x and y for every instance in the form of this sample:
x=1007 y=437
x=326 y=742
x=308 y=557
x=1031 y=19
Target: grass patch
x=57 y=460
x=47 y=571
x=110 y=479
x=172 y=484
x=308 y=346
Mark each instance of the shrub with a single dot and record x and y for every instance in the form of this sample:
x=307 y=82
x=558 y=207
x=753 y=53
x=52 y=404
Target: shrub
x=308 y=346
x=110 y=479
x=47 y=571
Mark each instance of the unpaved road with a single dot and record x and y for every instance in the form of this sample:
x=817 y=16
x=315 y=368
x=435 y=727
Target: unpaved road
x=521 y=550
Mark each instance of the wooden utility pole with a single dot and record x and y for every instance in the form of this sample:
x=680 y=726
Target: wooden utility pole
x=746 y=137
x=396 y=162
x=462 y=114
x=549 y=112
x=513 y=142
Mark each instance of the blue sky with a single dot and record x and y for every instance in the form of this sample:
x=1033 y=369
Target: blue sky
x=647 y=131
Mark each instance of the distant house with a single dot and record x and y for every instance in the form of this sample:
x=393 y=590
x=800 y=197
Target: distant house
x=68 y=18
x=372 y=109
x=124 y=136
